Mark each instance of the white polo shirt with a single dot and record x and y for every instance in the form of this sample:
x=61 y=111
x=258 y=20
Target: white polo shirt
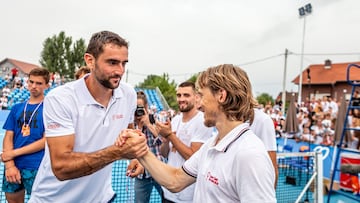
x=237 y=169
x=264 y=128
x=70 y=109
x=192 y=131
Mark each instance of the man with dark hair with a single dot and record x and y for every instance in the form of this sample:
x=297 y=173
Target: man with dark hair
x=82 y=120
x=24 y=141
x=184 y=136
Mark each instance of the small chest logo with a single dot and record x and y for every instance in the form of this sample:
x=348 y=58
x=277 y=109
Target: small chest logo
x=117 y=116
x=212 y=179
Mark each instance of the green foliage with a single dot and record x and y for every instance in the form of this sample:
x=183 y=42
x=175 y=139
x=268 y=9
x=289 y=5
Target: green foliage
x=167 y=87
x=193 y=78
x=264 y=98
x=61 y=55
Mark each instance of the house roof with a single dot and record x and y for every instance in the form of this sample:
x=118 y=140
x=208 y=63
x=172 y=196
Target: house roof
x=337 y=73
x=23 y=66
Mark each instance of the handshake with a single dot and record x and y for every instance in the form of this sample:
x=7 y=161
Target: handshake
x=131 y=145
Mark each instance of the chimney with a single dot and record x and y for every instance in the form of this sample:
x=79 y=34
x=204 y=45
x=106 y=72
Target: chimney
x=327 y=64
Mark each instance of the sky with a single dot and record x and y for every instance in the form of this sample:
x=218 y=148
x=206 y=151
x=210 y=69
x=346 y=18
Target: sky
x=184 y=37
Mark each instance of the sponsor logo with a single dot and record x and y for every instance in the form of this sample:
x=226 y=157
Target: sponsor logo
x=212 y=179
x=117 y=116
x=53 y=125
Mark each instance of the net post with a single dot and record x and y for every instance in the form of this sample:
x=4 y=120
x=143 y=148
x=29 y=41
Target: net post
x=319 y=178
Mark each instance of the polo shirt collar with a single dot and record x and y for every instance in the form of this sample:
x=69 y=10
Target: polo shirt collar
x=84 y=95
x=231 y=137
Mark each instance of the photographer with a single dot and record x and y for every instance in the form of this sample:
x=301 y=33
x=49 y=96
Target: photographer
x=144 y=121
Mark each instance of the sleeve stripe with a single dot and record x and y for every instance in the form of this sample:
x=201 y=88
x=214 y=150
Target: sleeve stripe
x=188 y=172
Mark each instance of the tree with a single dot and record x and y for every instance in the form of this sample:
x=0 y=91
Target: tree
x=167 y=88
x=61 y=55
x=264 y=98
x=193 y=78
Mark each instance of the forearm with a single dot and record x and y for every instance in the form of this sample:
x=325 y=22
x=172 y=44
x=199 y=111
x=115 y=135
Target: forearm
x=69 y=164
x=272 y=155
x=174 y=179
x=31 y=148
x=77 y=164
x=185 y=151
x=164 y=148
x=8 y=143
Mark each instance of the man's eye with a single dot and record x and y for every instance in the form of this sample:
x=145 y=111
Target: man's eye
x=113 y=62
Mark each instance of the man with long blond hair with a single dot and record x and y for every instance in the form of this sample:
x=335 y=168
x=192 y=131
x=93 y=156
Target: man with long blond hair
x=232 y=166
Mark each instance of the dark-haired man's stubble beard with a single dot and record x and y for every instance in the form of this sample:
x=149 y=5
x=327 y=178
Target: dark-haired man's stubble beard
x=99 y=76
x=187 y=108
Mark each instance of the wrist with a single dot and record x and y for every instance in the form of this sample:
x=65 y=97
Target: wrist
x=8 y=167
x=167 y=135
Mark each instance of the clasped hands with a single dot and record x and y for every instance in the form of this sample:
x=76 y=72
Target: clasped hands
x=133 y=144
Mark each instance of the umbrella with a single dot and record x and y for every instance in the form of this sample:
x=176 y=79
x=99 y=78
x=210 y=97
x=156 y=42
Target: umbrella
x=291 y=123
x=339 y=125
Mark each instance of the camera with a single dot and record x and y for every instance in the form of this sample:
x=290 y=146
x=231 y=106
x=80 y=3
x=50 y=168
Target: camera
x=140 y=111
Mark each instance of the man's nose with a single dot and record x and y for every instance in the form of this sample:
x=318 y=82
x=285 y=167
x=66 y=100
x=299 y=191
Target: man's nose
x=120 y=69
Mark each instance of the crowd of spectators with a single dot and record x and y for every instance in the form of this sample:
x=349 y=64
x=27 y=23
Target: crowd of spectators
x=316 y=120
x=13 y=82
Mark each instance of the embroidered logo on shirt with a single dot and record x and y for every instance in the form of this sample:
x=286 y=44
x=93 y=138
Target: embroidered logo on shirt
x=117 y=116
x=53 y=125
x=212 y=179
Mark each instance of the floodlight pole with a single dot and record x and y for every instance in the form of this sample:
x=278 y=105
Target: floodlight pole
x=284 y=85
x=301 y=63
x=303 y=11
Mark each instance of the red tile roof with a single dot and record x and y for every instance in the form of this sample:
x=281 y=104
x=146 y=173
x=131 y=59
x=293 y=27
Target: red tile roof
x=23 y=66
x=337 y=73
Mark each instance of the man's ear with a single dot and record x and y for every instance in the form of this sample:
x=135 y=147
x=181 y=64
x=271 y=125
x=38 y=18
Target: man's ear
x=221 y=95
x=89 y=60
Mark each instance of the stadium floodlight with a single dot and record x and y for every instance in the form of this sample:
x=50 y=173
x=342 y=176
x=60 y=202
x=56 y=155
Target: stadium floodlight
x=303 y=12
